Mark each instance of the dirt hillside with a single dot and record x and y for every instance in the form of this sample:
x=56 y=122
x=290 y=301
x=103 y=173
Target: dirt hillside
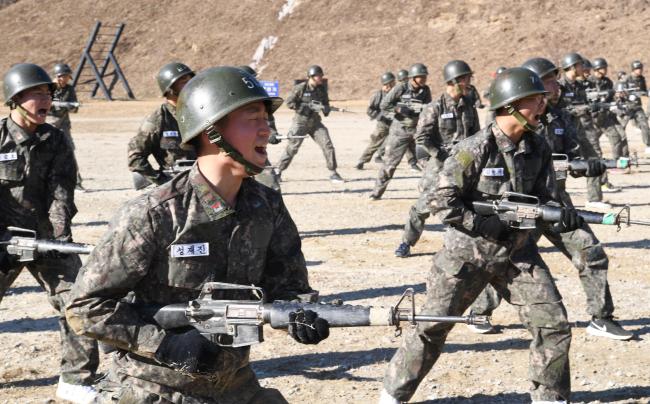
x=354 y=41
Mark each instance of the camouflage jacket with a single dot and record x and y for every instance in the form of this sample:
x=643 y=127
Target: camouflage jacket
x=374 y=111
x=474 y=96
x=38 y=174
x=560 y=132
x=158 y=136
x=444 y=123
x=164 y=245
x=483 y=167
x=61 y=116
x=302 y=95
x=637 y=82
x=573 y=92
x=405 y=93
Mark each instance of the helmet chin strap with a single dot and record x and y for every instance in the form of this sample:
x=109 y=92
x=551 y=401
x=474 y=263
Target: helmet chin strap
x=520 y=118
x=216 y=138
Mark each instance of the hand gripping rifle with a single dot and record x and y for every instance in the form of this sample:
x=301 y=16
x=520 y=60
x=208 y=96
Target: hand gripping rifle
x=238 y=323
x=24 y=244
x=522 y=211
x=562 y=165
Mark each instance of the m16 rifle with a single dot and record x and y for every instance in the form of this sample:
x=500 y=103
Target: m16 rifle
x=141 y=182
x=615 y=107
x=522 y=211
x=594 y=95
x=238 y=323
x=562 y=165
x=413 y=105
x=318 y=106
x=23 y=244
x=65 y=105
x=286 y=137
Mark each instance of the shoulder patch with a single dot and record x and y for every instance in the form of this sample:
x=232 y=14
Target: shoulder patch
x=464 y=158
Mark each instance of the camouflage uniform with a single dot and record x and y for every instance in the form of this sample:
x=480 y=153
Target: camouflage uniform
x=581 y=246
x=37 y=180
x=482 y=167
x=381 y=129
x=587 y=135
x=401 y=132
x=607 y=122
x=158 y=136
x=60 y=117
x=441 y=125
x=255 y=242
x=635 y=108
x=269 y=177
x=306 y=121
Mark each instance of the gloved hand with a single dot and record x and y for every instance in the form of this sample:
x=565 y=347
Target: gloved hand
x=491 y=227
x=595 y=168
x=406 y=111
x=186 y=352
x=304 y=109
x=273 y=139
x=569 y=221
x=326 y=110
x=307 y=328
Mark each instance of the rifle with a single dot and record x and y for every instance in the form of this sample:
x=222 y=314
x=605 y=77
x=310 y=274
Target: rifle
x=521 y=211
x=562 y=165
x=238 y=323
x=595 y=95
x=141 y=182
x=318 y=106
x=414 y=105
x=596 y=106
x=65 y=105
x=24 y=244
x=285 y=137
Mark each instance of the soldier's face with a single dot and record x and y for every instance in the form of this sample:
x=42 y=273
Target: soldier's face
x=553 y=87
x=638 y=72
x=387 y=87
x=579 y=68
x=600 y=72
x=420 y=81
x=63 y=79
x=180 y=83
x=317 y=80
x=36 y=101
x=247 y=130
x=532 y=108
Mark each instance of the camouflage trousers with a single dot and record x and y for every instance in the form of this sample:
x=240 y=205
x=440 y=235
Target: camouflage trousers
x=641 y=120
x=399 y=140
x=588 y=137
x=458 y=276
x=615 y=134
x=318 y=132
x=269 y=177
x=119 y=387
x=376 y=141
x=419 y=212
x=79 y=355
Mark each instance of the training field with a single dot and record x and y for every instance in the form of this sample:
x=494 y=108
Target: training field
x=348 y=242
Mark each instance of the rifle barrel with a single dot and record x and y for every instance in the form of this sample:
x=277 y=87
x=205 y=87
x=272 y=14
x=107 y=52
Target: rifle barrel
x=63 y=247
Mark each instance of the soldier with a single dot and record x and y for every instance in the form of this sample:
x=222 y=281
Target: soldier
x=59 y=115
x=606 y=120
x=586 y=69
x=403 y=76
x=210 y=223
x=307 y=121
x=158 y=134
x=442 y=124
x=267 y=177
x=405 y=101
x=505 y=156
x=573 y=93
x=37 y=181
x=582 y=245
x=636 y=80
x=383 y=122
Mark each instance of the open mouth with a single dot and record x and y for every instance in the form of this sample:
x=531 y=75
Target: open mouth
x=41 y=112
x=261 y=150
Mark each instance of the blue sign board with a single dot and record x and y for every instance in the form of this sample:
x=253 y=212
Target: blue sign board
x=271 y=87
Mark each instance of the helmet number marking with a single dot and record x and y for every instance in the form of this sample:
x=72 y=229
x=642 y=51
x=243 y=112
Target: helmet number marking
x=248 y=82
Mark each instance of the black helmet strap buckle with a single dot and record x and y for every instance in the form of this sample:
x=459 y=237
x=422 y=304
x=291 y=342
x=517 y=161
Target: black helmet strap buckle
x=520 y=118
x=216 y=138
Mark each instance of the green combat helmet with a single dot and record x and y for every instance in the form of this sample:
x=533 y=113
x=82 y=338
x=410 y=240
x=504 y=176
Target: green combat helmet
x=171 y=72
x=599 y=63
x=418 y=70
x=636 y=65
x=315 y=70
x=512 y=85
x=61 y=69
x=248 y=70
x=387 y=78
x=541 y=67
x=586 y=64
x=454 y=70
x=213 y=94
x=23 y=76
x=402 y=75
x=570 y=59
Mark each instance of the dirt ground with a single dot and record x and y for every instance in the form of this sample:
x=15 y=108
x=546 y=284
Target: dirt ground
x=348 y=242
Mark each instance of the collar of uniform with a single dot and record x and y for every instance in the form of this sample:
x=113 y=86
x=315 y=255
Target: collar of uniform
x=170 y=108
x=506 y=145
x=213 y=204
x=19 y=134
x=451 y=102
